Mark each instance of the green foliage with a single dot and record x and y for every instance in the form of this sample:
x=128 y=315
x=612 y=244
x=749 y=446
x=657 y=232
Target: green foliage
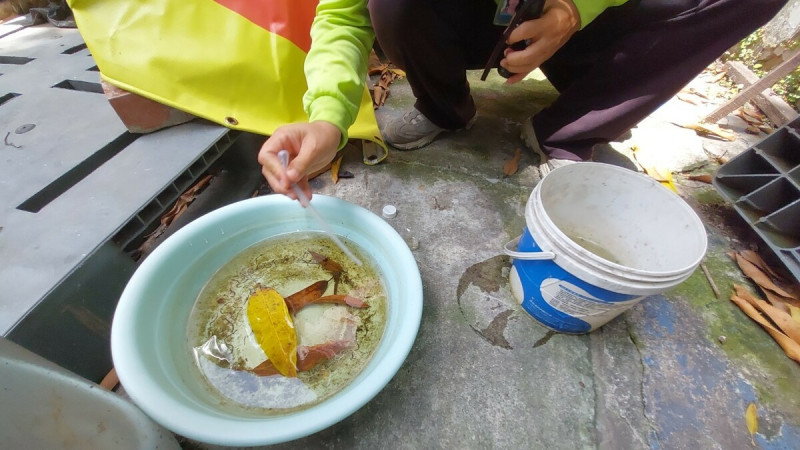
x=747 y=52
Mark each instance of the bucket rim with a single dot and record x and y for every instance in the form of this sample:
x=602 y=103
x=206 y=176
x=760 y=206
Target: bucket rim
x=554 y=234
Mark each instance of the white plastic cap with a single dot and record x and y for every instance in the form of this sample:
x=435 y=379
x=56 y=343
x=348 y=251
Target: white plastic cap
x=389 y=211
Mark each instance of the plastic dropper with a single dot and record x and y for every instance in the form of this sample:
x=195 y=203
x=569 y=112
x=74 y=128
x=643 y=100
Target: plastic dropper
x=283 y=157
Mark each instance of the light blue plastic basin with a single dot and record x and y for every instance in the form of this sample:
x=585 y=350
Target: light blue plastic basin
x=148 y=335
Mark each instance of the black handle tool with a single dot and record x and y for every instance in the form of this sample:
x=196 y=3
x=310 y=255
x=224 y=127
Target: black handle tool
x=526 y=10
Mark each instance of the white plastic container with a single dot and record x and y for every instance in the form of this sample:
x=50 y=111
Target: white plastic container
x=148 y=336
x=600 y=238
x=45 y=406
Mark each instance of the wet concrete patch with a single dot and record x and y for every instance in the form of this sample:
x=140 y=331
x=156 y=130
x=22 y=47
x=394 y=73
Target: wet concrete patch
x=487 y=305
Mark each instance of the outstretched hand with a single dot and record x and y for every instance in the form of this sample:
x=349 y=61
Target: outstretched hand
x=558 y=22
x=311 y=147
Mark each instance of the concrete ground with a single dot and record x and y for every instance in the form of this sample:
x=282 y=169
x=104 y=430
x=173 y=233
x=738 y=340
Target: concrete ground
x=484 y=374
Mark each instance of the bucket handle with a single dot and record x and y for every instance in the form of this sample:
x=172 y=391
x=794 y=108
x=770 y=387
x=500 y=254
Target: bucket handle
x=525 y=255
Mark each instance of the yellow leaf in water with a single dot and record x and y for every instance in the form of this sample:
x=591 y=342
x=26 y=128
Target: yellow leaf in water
x=752 y=420
x=274 y=330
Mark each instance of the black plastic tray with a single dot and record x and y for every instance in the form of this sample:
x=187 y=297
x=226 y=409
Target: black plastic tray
x=763 y=183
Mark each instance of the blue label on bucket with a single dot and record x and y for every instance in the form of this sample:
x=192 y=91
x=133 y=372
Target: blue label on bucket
x=560 y=300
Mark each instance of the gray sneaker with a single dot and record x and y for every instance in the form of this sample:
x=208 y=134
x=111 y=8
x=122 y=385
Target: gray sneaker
x=546 y=164
x=413 y=130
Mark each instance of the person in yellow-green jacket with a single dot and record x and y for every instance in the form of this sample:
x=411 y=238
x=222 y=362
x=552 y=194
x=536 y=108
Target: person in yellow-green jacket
x=613 y=62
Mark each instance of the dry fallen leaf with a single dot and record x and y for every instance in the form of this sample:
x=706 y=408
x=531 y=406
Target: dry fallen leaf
x=660 y=174
x=765 y=128
x=337 y=162
x=719 y=76
x=790 y=347
x=380 y=92
x=757 y=275
x=781 y=301
x=687 y=99
x=178 y=208
x=753 y=257
x=307 y=357
x=750 y=129
x=273 y=329
x=751 y=417
x=697 y=93
x=374 y=63
x=781 y=319
x=795 y=312
x=710 y=130
x=704 y=178
x=379 y=95
x=512 y=165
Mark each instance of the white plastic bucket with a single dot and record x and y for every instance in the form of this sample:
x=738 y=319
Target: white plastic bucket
x=642 y=239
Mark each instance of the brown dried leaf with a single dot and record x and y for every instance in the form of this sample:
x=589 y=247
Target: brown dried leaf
x=698 y=93
x=753 y=257
x=512 y=165
x=340 y=299
x=110 y=381
x=687 y=99
x=765 y=129
x=704 y=178
x=307 y=357
x=758 y=276
x=374 y=63
x=790 y=347
x=777 y=301
x=710 y=130
x=328 y=264
x=795 y=313
x=386 y=79
x=781 y=319
x=660 y=174
x=303 y=297
x=751 y=111
x=379 y=95
x=376 y=70
x=178 y=208
x=380 y=92
x=337 y=162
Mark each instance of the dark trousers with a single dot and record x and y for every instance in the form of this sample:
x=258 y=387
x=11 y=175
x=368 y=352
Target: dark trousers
x=610 y=75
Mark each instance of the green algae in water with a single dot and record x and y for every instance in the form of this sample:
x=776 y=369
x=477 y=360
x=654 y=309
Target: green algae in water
x=225 y=350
